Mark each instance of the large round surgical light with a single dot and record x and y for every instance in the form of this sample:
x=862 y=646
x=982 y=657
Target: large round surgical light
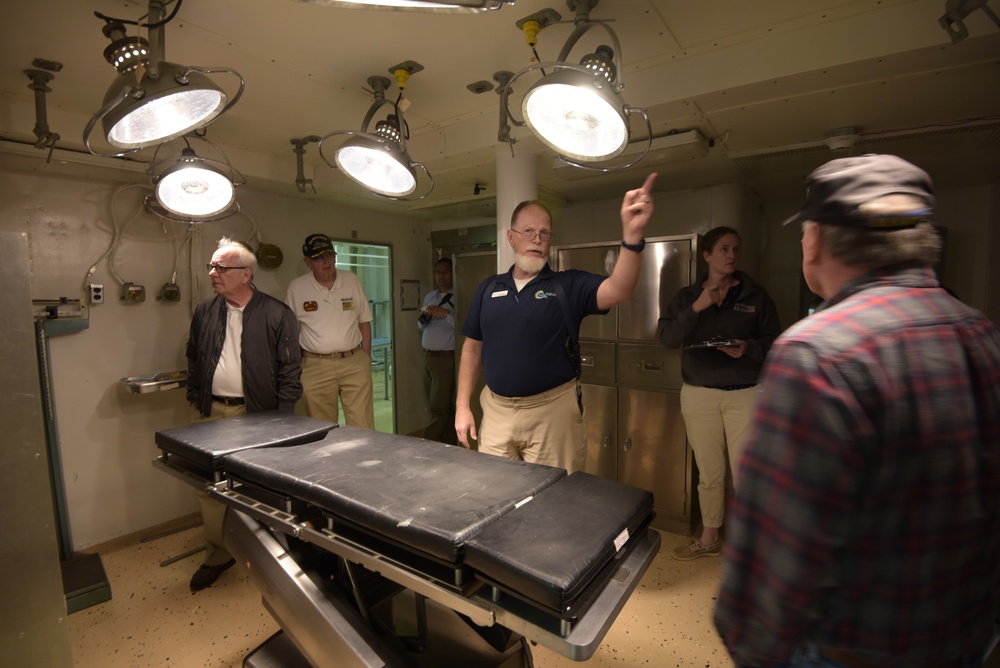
x=576 y=115
x=194 y=188
x=378 y=166
x=165 y=109
x=577 y=111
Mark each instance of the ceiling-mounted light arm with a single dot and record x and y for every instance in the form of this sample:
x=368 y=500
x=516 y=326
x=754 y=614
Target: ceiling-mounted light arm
x=579 y=32
x=45 y=138
x=300 y=151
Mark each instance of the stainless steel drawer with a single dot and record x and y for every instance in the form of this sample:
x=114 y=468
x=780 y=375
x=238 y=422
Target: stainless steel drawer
x=597 y=362
x=649 y=366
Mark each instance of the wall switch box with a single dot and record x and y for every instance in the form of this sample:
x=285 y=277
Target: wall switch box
x=96 y=293
x=133 y=294
x=169 y=292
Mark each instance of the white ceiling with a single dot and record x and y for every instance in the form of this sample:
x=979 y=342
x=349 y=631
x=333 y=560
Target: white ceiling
x=763 y=80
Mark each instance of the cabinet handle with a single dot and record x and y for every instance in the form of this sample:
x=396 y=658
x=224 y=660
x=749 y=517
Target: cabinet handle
x=606 y=442
x=628 y=444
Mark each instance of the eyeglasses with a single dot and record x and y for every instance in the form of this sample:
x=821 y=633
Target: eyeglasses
x=530 y=234
x=221 y=268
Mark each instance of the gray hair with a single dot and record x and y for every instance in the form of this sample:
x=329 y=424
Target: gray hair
x=247 y=257
x=868 y=248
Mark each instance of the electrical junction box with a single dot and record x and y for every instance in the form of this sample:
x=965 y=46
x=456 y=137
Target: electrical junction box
x=169 y=292
x=133 y=294
x=96 y=291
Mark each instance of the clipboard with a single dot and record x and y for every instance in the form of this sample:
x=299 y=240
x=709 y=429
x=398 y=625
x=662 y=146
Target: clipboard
x=714 y=343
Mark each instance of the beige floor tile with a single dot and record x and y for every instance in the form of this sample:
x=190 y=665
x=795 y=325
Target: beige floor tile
x=153 y=619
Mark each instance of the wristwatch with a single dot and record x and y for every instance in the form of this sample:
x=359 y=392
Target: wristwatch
x=635 y=248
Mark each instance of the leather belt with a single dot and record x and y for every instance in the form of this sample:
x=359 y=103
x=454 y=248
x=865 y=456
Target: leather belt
x=848 y=658
x=228 y=401
x=330 y=356
x=440 y=353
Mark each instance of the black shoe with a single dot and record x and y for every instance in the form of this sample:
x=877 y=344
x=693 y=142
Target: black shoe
x=207 y=575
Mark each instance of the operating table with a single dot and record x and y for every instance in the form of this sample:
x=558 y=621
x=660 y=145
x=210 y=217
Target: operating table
x=374 y=549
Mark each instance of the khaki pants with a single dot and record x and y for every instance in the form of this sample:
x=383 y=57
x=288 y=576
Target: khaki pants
x=212 y=511
x=546 y=428
x=349 y=379
x=716 y=422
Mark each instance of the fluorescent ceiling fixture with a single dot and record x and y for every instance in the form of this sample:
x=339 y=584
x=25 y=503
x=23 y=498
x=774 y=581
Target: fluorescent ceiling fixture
x=454 y=7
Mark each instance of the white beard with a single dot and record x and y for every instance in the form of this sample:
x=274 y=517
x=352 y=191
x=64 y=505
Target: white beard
x=529 y=265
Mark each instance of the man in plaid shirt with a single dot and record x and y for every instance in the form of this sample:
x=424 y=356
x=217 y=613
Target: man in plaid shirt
x=866 y=528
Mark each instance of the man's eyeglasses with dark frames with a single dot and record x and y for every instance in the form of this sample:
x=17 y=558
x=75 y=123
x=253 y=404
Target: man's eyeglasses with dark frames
x=221 y=268
x=530 y=234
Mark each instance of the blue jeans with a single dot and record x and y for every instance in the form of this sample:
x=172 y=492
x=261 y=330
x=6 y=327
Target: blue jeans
x=809 y=656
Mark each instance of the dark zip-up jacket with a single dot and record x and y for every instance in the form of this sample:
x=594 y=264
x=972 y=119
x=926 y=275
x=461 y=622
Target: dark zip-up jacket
x=751 y=317
x=271 y=358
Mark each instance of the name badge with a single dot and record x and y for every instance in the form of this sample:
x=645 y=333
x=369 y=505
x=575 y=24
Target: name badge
x=499 y=293
x=309 y=307
x=347 y=304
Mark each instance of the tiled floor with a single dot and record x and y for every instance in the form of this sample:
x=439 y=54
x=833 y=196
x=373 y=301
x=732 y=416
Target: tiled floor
x=153 y=619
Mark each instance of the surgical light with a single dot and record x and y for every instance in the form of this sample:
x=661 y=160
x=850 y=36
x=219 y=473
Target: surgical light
x=152 y=101
x=378 y=160
x=577 y=109
x=434 y=6
x=192 y=188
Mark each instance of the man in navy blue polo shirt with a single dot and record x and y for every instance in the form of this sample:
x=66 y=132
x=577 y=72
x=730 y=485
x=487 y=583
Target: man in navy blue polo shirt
x=521 y=330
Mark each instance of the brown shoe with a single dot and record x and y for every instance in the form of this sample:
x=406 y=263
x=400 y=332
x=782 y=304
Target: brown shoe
x=695 y=550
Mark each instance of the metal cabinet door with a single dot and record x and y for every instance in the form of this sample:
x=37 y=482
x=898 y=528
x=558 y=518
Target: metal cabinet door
x=597 y=259
x=600 y=404
x=667 y=266
x=653 y=453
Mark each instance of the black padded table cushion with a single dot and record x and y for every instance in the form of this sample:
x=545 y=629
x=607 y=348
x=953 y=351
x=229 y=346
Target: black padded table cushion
x=206 y=444
x=425 y=495
x=551 y=549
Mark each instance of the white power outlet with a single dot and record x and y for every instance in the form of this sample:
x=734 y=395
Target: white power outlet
x=96 y=293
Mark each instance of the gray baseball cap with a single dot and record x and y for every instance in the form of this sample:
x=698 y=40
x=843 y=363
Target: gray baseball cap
x=836 y=190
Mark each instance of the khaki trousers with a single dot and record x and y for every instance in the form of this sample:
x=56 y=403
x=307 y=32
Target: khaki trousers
x=348 y=379
x=212 y=511
x=716 y=423
x=546 y=428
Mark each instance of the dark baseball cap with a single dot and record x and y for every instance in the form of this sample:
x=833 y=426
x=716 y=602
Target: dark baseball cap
x=317 y=245
x=835 y=191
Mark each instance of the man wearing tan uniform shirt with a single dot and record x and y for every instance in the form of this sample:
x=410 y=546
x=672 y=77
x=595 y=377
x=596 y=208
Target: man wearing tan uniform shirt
x=336 y=337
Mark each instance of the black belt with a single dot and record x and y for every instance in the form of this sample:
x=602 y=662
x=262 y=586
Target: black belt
x=330 y=356
x=440 y=353
x=228 y=401
x=730 y=388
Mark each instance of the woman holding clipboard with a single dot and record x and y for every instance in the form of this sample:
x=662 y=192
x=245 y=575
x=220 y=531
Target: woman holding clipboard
x=726 y=323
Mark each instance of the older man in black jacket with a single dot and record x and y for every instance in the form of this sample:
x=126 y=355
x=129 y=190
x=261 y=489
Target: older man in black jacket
x=243 y=357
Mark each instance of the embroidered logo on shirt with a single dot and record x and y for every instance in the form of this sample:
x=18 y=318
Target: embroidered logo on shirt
x=347 y=304
x=309 y=307
x=745 y=308
x=542 y=294
x=499 y=293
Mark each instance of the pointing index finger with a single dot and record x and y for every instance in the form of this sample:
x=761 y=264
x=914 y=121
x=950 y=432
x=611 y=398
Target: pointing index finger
x=648 y=185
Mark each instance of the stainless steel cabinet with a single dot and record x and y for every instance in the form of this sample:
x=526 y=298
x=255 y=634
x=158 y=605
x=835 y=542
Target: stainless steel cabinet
x=631 y=384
